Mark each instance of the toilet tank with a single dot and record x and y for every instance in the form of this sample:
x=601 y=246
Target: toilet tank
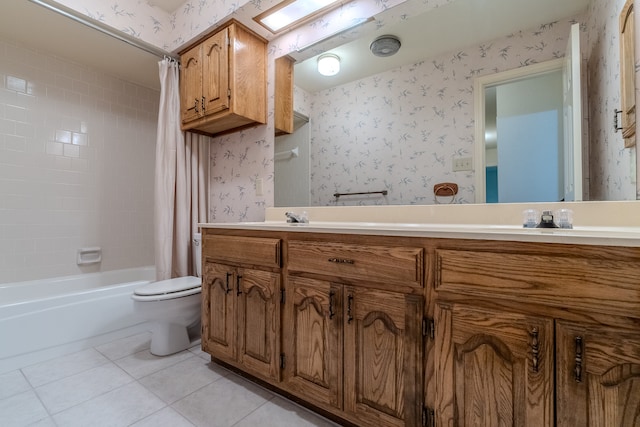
x=197 y=253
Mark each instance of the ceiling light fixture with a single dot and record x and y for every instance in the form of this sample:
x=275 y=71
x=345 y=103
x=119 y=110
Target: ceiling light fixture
x=386 y=45
x=328 y=64
x=291 y=13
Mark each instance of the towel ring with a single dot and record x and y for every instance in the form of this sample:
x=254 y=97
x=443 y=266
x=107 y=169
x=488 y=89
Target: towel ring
x=445 y=189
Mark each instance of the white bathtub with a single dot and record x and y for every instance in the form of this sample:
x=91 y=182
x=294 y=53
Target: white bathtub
x=40 y=319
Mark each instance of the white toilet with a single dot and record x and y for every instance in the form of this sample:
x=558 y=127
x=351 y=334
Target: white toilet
x=173 y=305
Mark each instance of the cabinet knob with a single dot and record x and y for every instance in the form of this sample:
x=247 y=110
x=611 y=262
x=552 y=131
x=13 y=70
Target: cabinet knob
x=349 y=308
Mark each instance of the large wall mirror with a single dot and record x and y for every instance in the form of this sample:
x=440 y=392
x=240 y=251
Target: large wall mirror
x=406 y=122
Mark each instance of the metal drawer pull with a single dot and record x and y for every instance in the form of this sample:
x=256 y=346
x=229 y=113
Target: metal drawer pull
x=238 y=291
x=331 y=312
x=195 y=106
x=577 y=369
x=349 y=303
x=342 y=260
x=228 y=287
x=535 y=349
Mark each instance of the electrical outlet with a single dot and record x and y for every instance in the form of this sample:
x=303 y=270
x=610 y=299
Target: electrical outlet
x=462 y=164
x=259 y=189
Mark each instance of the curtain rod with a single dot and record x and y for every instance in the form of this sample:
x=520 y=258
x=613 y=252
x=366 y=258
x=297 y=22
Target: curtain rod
x=96 y=25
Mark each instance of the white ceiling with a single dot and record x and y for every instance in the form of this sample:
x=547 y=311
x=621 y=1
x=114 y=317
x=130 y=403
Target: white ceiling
x=47 y=31
x=459 y=24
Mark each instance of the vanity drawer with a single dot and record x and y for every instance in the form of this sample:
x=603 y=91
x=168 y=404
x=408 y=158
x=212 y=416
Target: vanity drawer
x=604 y=285
x=385 y=264
x=248 y=250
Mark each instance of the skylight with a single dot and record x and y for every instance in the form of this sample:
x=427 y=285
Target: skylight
x=291 y=13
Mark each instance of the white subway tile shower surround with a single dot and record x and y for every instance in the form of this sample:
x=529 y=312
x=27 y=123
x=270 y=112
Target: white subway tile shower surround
x=77 y=153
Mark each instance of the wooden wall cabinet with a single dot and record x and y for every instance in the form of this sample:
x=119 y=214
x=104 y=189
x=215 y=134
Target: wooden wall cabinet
x=223 y=82
x=283 y=109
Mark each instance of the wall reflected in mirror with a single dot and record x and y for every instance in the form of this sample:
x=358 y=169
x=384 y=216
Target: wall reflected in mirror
x=402 y=129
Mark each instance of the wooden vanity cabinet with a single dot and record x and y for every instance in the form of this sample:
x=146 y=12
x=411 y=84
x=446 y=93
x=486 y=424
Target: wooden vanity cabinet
x=516 y=333
x=223 y=82
x=241 y=303
x=533 y=337
x=352 y=343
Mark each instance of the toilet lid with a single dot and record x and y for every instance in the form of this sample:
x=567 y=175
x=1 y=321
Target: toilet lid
x=169 y=286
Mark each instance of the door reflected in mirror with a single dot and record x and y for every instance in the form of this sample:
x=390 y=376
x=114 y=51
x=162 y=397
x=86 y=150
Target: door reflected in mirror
x=523 y=147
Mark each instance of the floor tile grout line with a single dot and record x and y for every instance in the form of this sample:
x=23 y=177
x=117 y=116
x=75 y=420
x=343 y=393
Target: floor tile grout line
x=183 y=397
x=258 y=407
x=220 y=370
x=93 y=397
x=66 y=376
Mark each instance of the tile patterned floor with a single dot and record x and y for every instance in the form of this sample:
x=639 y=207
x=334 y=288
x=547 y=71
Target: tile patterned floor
x=122 y=384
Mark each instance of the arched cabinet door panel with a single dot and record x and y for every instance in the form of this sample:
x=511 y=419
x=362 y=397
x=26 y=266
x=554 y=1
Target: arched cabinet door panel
x=598 y=376
x=493 y=368
x=312 y=340
x=258 y=321
x=382 y=356
x=219 y=311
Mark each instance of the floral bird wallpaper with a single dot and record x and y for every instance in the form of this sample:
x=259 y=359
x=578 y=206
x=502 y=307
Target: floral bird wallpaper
x=407 y=150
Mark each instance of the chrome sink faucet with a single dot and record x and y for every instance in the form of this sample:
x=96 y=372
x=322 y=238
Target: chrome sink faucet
x=294 y=218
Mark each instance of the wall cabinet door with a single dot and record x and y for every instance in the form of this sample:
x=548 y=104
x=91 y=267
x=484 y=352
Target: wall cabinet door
x=191 y=84
x=382 y=356
x=313 y=340
x=215 y=73
x=598 y=376
x=493 y=368
x=241 y=317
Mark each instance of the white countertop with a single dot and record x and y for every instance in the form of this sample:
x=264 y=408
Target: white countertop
x=608 y=236
x=595 y=223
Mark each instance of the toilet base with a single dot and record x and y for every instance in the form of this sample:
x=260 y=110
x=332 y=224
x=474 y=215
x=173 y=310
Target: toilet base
x=168 y=338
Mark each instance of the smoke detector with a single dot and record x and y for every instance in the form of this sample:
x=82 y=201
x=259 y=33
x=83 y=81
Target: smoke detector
x=386 y=45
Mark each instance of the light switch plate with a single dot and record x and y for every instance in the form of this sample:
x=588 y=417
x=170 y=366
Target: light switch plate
x=462 y=164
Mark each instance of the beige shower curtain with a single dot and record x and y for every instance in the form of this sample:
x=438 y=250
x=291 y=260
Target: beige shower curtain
x=180 y=182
